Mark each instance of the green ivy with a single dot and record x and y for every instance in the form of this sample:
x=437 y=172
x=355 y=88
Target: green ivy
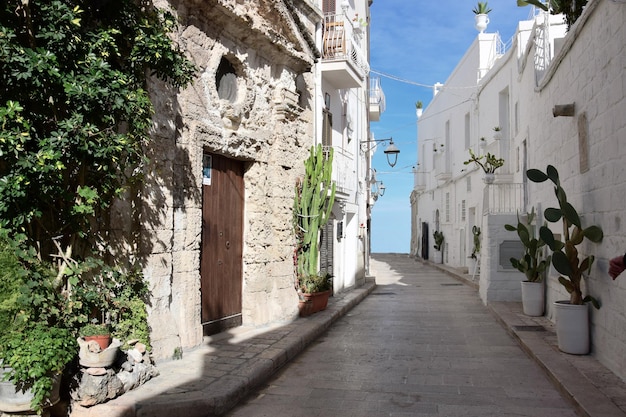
x=74 y=110
x=74 y=120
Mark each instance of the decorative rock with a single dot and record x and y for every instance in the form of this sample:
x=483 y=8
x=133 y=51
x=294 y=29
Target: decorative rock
x=93 y=346
x=140 y=375
x=94 y=390
x=134 y=355
x=140 y=347
x=95 y=371
x=127 y=366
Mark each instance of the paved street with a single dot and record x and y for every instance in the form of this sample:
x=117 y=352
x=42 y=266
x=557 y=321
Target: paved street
x=422 y=344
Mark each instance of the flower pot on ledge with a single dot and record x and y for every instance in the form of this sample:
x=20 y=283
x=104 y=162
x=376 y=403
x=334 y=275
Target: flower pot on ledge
x=481 y=21
x=313 y=302
x=92 y=357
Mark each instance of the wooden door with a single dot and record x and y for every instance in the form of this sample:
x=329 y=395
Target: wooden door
x=222 y=243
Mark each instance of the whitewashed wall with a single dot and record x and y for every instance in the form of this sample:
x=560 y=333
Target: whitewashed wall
x=588 y=70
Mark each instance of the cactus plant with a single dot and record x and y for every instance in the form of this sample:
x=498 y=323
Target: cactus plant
x=314 y=198
x=476 y=250
x=438 y=235
x=531 y=263
x=490 y=164
x=564 y=253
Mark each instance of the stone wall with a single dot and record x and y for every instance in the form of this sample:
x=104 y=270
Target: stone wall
x=267 y=122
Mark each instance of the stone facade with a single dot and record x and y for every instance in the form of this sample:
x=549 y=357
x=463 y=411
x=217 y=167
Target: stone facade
x=263 y=117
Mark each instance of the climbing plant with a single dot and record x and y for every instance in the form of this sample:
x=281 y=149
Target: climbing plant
x=75 y=111
x=75 y=115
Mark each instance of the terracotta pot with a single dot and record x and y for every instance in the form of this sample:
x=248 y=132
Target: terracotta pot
x=312 y=303
x=104 y=340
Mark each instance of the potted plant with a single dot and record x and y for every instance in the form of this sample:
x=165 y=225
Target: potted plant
x=497 y=133
x=572 y=316
x=481 y=10
x=100 y=333
x=35 y=344
x=314 y=199
x=482 y=143
x=33 y=358
x=532 y=264
x=419 y=108
x=572 y=9
x=438 y=255
x=488 y=163
x=475 y=249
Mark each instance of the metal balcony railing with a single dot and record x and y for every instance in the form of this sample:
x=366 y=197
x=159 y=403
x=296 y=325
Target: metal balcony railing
x=503 y=199
x=377 y=96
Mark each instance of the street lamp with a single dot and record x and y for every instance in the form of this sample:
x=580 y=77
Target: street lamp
x=392 y=150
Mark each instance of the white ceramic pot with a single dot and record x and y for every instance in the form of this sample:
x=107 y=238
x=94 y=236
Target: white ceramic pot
x=532 y=298
x=99 y=359
x=572 y=327
x=481 y=20
x=437 y=257
x=489 y=178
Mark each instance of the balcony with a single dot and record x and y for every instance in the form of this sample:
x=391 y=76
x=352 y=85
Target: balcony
x=505 y=198
x=377 y=99
x=343 y=63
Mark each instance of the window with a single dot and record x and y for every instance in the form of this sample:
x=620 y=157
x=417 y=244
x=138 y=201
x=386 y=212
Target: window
x=468 y=181
x=226 y=81
x=327 y=128
x=463 y=214
x=467 y=130
x=329 y=7
x=447 y=207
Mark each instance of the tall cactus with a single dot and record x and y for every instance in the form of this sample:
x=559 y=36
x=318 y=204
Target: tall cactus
x=314 y=198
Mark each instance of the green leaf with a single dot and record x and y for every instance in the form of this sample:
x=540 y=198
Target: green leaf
x=553 y=174
x=561 y=263
x=552 y=214
x=567 y=284
x=536 y=175
x=570 y=213
x=594 y=233
x=594 y=302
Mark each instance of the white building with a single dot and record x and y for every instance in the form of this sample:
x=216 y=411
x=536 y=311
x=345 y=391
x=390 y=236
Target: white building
x=346 y=104
x=519 y=90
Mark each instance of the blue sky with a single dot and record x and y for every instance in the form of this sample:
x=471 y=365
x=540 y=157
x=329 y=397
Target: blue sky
x=420 y=42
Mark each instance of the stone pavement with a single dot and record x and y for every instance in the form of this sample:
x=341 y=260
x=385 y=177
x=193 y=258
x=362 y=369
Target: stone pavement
x=211 y=380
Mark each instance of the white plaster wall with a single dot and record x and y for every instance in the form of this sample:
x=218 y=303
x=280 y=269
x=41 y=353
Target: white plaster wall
x=497 y=283
x=589 y=71
x=591 y=75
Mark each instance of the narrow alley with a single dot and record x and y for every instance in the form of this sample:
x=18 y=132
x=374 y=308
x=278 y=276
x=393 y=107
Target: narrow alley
x=421 y=344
